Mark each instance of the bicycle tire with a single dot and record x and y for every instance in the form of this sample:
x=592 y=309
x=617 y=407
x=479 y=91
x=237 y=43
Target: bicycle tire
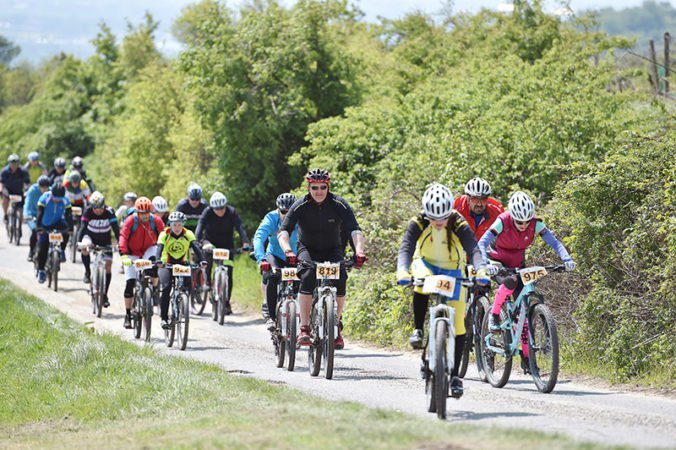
x=543 y=321
x=469 y=343
x=292 y=335
x=100 y=288
x=215 y=295
x=483 y=306
x=329 y=336
x=56 y=261
x=202 y=293
x=73 y=243
x=136 y=314
x=16 y=224
x=183 y=322
x=278 y=338
x=440 y=364
x=496 y=377
x=147 y=312
x=314 y=353
x=223 y=297
x=171 y=334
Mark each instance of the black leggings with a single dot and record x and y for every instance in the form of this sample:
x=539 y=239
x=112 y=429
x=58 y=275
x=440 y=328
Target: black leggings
x=271 y=281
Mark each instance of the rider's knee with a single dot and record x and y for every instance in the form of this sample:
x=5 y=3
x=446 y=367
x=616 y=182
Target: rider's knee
x=129 y=288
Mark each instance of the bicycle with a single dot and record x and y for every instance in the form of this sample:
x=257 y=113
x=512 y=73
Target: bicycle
x=288 y=316
x=179 y=305
x=98 y=285
x=142 y=312
x=200 y=291
x=543 y=341
x=477 y=306
x=13 y=223
x=219 y=284
x=324 y=315
x=438 y=356
x=53 y=264
x=77 y=213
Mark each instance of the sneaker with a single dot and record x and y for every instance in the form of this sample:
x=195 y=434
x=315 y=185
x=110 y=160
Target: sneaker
x=339 y=343
x=304 y=337
x=42 y=276
x=30 y=257
x=87 y=278
x=525 y=365
x=416 y=339
x=270 y=325
x=494 y=325
x=166 y=325
x=63 y=256
x=227 y=309
x=106 y=303
x=264 y=311
x=5 y=219
x=456 y=387
x=127 y=322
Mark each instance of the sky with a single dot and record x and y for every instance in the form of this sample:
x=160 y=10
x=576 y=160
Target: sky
x=46 y=27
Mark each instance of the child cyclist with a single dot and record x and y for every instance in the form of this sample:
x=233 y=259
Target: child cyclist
x=505 y=244
x=173 y=247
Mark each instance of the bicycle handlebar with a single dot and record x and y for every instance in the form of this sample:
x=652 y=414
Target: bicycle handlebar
x=515 y=270
x=346 y=263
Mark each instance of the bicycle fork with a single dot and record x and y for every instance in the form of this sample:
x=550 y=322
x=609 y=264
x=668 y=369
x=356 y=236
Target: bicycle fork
x=438 y=313
x=320 y=309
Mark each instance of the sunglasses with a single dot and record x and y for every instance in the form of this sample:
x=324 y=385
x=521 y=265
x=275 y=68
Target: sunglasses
x=100 y=207
x=478 y=198
x=283 y=211
x=219 y=209
x=323 y=187
x=521 y=222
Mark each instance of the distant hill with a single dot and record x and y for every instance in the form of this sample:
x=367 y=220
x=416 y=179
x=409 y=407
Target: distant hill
x=648 y=21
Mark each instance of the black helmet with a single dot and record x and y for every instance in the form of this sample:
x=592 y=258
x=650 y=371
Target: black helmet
x=43 y=181
x=318 y=176
x=60 y=163
x=58 y=190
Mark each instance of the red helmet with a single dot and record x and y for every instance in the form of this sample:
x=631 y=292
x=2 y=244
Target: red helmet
x=143 y=204
x=318 y=176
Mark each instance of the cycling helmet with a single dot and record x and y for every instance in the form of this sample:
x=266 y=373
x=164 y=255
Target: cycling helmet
x=130 y=197
x=177 y=216
x=160 y=204
x=43 y=181
x=218 y=200
x=34 y=156
x=195 y=191
x=285 y=200
x=60 y=163
x=77 y=162
x=318 y=176
x=58 y=191
x=521 y=207
x=478 y=187
x=97 y=199
x=437 y=202
x=143 y=204
x=75 y=178
x=13 y=158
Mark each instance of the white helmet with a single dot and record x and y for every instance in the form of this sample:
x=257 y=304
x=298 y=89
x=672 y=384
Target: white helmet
x=177 y=216
x=218 y=200
x=130 y=197
x=160 y=204
x=521 y=207
x=437 y=201
x=478 y=187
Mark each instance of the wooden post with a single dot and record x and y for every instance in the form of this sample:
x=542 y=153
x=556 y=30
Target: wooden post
x=667 y=62
x=653 y=68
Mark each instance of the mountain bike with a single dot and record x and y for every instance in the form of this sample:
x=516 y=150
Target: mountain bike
x=288 y=316
x=220 y=298
x=179 y=305
x=77 y=213
x=199 y=296
x=142 y=312
x=543 y=340
x=97 y=289
x=53 y=264
x=14 y=221
x=438 y=357
x=324 y=315
x=477 y=306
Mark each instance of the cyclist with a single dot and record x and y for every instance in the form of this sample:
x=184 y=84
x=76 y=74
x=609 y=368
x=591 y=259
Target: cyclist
x=54 y=213
x=34 y=167
x=505 y=244
x=438 y=242
x=127 y=206
x=78 y=165
x=98 y=220
x=161 y=208
x=138 y=239
x=216 y=228
x=13 y=179
x=77 y=189
x=325 y=223
x=58 y=173
x=477 y=207
x=30 y=210
x=273 y=256
x=173 y=247
x=192 y=206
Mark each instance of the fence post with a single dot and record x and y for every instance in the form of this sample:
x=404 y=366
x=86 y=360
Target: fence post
x=653 y=68
x=667 y=63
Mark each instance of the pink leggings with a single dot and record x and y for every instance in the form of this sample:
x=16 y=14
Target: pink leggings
x=500 y=298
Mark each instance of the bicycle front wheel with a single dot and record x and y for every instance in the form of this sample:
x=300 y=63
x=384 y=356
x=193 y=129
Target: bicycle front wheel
x=147 y=312
x=482 y=308
x=314 y=353
x=291 y=335
x=183 y=320
x=16 y=224
x=56 y=262
x=278 y=338
x=543 y=355
x=73 y=244
x=329 y=343
x=222 y=298
x=100 y=288
x=136 y=313
x=497 y=362
x=440 y=366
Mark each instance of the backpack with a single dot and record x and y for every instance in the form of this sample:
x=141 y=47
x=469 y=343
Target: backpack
x=134 y=227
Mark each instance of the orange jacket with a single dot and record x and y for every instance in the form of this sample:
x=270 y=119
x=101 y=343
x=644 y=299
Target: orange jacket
x=493 y=210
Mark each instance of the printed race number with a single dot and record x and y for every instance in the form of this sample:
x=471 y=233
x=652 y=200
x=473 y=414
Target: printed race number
x=440 y=284
x=141 y=264
x=329 y=271
x=531 y=274
x=178 y=270
x=55 y=237
x=77 y=211
x=471 y=271
x=221 y=254
x=289 y=274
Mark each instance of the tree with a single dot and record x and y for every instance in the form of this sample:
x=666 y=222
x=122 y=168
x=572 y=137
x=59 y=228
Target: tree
x=8 y=51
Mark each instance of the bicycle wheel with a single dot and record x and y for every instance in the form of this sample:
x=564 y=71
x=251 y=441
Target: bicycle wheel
x=16 y=226
x=543 y=355
x=199 y=294
x=329 y=343
x=95 y=288
x=183 y=322
x=482 y=307
x=222 y=298
x=440 y=365
x=469 y=343
x=278 y=338
x=314 y=353
x=136 y=313
x=73 y=242
x=291 y=335
x=170 y=334
x=215 y=294
x=497 y=365
x=147 y=305
x=56 y=262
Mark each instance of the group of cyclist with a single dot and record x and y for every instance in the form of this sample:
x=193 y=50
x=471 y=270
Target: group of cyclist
x=447 y=235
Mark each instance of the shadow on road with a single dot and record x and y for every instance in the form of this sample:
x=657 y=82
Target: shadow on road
x=469 y=415
x=367 y=355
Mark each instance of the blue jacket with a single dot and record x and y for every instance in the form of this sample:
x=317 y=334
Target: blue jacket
x=30 y=204
x=268 y=230
x=54 y=213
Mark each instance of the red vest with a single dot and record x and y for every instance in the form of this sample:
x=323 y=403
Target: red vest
x=494 y=209
x=511 y=244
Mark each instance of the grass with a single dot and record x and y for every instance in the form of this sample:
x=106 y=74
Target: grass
x=64 y=386
x=246 y=291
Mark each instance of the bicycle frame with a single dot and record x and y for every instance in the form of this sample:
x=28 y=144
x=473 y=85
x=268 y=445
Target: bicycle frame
x=441 y=312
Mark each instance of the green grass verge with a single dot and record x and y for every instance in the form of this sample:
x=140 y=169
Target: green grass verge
x=64 y=386
x=246 y=289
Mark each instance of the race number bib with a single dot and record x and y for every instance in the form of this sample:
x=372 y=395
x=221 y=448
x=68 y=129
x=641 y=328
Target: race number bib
x=329 y=271
x=55 y=237
x=178 y=270
x=289 y=274
x=221 y=254
x=440 y=284
x=14 y=198
x=531 y=274
x=141 y=264
x=77 y=211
